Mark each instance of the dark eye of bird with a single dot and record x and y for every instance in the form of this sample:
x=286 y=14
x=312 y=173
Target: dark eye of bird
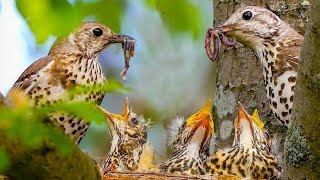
x=247 y=15
x=97 y=32
x=135 y=136
x=135 y=121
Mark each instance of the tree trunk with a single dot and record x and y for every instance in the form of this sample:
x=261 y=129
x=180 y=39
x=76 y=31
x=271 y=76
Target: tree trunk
x=302 y=142
x=240 y=74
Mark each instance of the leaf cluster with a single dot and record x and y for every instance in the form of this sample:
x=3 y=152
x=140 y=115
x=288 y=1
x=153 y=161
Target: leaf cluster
x=30 y=126
x=59 y=17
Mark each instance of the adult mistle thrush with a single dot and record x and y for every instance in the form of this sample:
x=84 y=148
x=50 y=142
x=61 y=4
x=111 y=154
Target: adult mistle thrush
x=190 y=139
x=71 y=61
x=249 y=157
x=129 y=141
x=278 y=47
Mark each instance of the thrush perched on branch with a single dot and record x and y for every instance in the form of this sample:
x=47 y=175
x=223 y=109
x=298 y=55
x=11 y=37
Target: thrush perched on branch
x=129 y=142
x=190 y=140
x=276 y=45
x=249 y=157
x=71 y=62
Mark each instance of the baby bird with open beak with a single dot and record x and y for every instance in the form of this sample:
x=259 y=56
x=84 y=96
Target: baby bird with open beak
x=250 y=155
x=129 y=142
x=190 y=142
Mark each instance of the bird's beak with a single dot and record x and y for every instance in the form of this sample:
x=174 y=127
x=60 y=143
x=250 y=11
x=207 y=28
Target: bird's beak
x=202 y=118
x=119 y=38
x=243 y=116
x=111 y=118
x=126 y=109
x=116 y=117
x=256 y=119
x=224 y=28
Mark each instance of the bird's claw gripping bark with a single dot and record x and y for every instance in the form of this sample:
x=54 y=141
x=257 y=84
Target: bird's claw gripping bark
x=213 y=36
x=128 y=46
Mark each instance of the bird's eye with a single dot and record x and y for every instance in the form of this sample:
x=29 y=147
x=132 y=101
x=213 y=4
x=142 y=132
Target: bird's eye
x=247 y=15
x=97 y=32
x=136 y=135
x=135 y=121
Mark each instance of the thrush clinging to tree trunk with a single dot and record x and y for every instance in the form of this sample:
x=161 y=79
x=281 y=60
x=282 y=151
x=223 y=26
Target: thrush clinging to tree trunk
x=71 y=61
x=277 y=46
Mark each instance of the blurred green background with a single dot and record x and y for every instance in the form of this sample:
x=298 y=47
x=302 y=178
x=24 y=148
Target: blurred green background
x=169 y=75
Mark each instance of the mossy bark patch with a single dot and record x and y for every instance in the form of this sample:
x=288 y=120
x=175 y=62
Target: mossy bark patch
x=46 y=162
x=302 y=143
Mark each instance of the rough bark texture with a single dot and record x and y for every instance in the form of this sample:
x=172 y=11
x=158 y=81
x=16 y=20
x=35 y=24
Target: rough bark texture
x=46 y=162
x=240 y=73
x=302 y=143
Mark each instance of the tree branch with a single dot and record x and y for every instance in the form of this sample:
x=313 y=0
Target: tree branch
x=45 y=162
x=161 y=176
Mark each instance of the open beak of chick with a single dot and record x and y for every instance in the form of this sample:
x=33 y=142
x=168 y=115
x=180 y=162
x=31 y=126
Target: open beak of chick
x=256 y=119
x=243 y=115
x=112 y=118
x=243 y=120
x=202 y=118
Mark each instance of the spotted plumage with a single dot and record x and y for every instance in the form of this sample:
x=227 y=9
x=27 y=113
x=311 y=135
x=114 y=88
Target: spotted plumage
x=277 y=46
x=71 y=62
x=129 y=142
x=190 y=140
x=250 y=156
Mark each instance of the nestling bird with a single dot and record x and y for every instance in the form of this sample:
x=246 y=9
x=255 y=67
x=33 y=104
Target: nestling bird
x=190 y=139
x=262 y=136
x=248 y=157
x=71 y=62
x=278 y=47
x=129 y=142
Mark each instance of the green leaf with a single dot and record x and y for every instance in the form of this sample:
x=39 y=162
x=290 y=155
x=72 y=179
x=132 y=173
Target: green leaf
x=56 y=17
x=84 y=110
x=26 y=123
x=150 y=3
x=180 y=16
x=108 y=12
x=48 y=17
x=4 y=160
x=111 y=86
x=27 y=126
